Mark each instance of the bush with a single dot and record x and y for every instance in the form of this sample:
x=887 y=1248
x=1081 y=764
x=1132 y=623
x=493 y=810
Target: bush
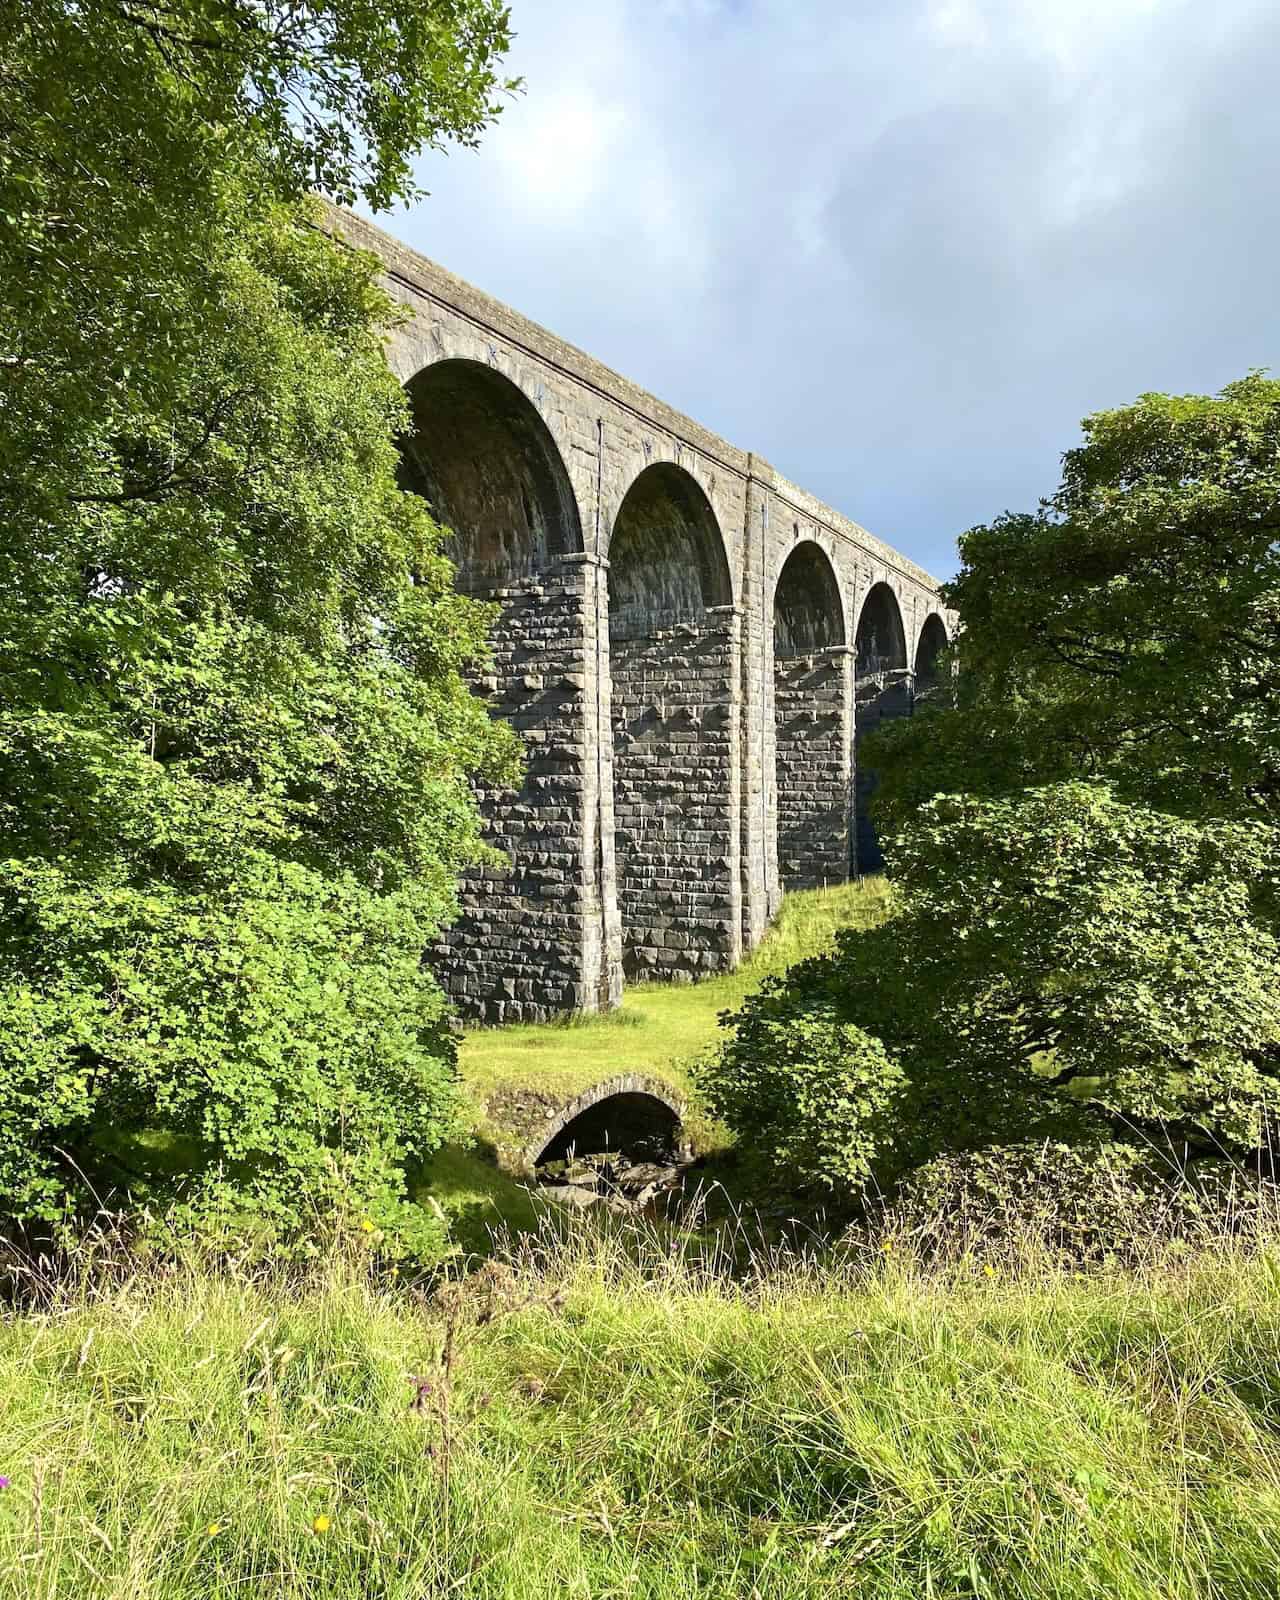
x=1085 y=1202
x=254 y=1052
x=1062 y=966
x=804 y=1090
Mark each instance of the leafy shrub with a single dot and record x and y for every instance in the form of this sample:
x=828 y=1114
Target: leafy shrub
x=1062 y=966
x=1079 y=1201
x=276 y=1033
x=805 y=1090
x=1102 y=951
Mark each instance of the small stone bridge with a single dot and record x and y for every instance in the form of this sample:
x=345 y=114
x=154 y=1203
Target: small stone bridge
x=533 y=1125
x=688 y=644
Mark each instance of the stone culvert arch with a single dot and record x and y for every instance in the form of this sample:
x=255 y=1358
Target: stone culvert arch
x=628 y=1106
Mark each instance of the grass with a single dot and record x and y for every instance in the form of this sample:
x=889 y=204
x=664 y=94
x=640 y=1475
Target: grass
x=477 y=1198
x=660 y=1028
x=615 y=1424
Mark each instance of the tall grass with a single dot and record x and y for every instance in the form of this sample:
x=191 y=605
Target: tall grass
x=605 y=1417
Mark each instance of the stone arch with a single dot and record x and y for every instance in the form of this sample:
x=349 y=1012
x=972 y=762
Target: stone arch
x=808 y=612
x=811 y=691
x=485 y=460
x=667 y=562
x=673 y=644
x=930 y=645
x=880 y=642
x=882 y=690
x=524 y=946
x=612 y=1115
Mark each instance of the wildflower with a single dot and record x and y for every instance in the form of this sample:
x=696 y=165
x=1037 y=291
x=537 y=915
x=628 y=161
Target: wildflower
x=214 y=1529
x=321 y=1524
x=887 y=1247
x=989 y=1271
x=4 y=1482
x=365 y=1225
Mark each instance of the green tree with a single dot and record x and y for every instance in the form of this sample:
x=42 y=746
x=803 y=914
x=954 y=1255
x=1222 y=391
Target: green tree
x=1063 y=965
x=1129 y=629
x=235 y=739
x=1083 y=832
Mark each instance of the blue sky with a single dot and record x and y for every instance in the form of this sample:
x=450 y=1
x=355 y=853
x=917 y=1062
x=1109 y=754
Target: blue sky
x=898 y=248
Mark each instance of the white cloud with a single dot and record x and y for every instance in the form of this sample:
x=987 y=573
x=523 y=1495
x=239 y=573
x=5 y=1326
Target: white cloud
x=898 y=247
x=563 y=157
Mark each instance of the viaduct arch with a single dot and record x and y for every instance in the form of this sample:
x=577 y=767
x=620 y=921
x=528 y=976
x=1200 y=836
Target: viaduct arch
x=689 y=645
x=932 y=642
x=813 y=721
x=882 y=690
x=673 y=657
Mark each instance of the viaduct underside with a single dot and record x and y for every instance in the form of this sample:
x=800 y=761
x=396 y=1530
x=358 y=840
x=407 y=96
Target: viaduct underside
x=689 y=645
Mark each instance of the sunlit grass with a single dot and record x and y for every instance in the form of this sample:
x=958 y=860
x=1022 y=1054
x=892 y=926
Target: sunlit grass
x=618 y=1423
x=660 y=1028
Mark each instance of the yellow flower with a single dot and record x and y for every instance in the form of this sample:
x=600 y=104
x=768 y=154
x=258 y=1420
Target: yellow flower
x=320 y=1524
x=214 y=1529
x=887 y=1247
x=989 y=1270
x=366 y=1226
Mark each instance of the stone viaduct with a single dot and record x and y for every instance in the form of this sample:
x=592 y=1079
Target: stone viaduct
x=688 y=644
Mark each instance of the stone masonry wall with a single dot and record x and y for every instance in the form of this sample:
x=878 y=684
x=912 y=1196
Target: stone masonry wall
x=546 y=935
x=810 y=700
x=675 y=800
x=515 y=954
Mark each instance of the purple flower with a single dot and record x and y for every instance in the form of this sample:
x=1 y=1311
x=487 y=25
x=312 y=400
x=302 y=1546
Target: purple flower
x=4 y=1482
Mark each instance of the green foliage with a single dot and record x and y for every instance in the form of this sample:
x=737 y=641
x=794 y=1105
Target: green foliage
x=1105 y=949
x=137 y=142
x=1102 y=1200
x=1065 y=966
x=279 y=1026
x=1083 y=825
x=235 y=742
x=804 y=1089
x=1128 y=628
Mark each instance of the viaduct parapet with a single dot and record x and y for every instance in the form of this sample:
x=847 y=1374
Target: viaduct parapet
x=688 y=644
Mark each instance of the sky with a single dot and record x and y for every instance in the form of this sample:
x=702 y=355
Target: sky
x=897 y=247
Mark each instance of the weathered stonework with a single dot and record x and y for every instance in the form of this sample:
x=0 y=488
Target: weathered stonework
x=621 y=1103
x=522 y=937
x=811 y=699
x=683 y=637
x=675 y=738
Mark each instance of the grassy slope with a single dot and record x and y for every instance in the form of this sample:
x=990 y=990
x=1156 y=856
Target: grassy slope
x=899 y=1435
x=658 y=1030
x=660 y=1026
